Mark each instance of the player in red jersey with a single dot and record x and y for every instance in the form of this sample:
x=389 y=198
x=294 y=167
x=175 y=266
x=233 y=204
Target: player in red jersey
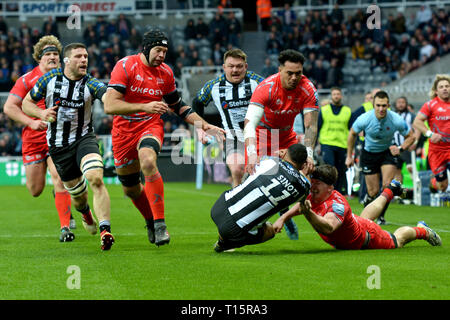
x=141 y=89
x=273 y=107
x=437 y=113
x=331 y=216
x=35 y=154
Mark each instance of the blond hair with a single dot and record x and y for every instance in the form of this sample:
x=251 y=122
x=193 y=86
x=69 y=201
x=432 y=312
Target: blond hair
x=439 y=77
x=235 y=53
x=45 y=41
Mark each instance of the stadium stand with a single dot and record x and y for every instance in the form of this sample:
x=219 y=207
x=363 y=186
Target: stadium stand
x=412 y=37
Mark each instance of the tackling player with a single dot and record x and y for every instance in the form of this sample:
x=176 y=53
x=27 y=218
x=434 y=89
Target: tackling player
x=141 y=89
x=241 y=213
x=35 y=154
x=437 y=113
x=331 y=216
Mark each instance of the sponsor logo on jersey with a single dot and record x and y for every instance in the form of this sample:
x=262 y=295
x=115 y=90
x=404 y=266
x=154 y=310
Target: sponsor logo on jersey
x=150 y=91
x=72 y=104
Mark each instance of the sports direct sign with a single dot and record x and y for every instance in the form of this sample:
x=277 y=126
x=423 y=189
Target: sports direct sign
x=63 y=8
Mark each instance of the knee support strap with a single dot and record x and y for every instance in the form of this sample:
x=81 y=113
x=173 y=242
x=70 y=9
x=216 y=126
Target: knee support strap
x=150 y=143
x=130 y=180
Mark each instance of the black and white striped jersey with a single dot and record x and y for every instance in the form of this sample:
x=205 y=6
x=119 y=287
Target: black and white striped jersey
x=409 y=118
x=231 y=100
x=274 y=186
x=74 y=100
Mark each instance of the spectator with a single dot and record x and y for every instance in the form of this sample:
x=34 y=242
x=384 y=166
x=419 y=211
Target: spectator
x=336 y=15
x=218 y=29
x=50 y=27
x=268 y=69
x=233 y=30
x=190 y=31
x=24 y=30
x=358 y=50
x=379 y=58
x=399 y=24
x=3 y=26
x=334 y=75
x=202 y=29
x=217 y=54
x=123 y=26
x=135 y=39
x=413 y=50
x=288 y=17
x=426 y=51
x=273 y=45
x=423 y=16
x=319 y=74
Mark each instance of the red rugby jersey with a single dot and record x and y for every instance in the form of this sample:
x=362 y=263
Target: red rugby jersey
x=438 y=117
x=281 y=105
x=141 y=84
x=351 y=234
x=24 y=84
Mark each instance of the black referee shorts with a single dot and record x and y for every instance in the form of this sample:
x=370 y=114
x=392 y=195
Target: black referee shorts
x=371 y=162
x=67 y=159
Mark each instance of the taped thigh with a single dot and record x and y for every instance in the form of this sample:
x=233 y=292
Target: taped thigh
x=95 y=162
x=78 y=189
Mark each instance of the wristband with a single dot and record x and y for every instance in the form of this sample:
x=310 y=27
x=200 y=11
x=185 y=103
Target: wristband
x=251 y=149
x=310 y=152
x=429 y=134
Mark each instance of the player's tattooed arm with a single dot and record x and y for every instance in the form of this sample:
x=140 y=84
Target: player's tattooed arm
x=310 y=120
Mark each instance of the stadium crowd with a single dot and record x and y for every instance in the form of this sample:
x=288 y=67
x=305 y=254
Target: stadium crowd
x=402 y=45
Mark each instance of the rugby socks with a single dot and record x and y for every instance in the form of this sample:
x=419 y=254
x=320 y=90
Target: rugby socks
x=388 y=194
x=62 y=204
x=421 y=233
x=143 y=205
x=154 y=189
x=104 y=225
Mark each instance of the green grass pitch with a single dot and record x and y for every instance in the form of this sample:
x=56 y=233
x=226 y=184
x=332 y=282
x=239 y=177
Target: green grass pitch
x=35 y=265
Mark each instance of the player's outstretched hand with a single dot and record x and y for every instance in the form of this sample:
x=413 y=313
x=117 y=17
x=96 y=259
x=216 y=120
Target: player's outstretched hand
x=213 y=130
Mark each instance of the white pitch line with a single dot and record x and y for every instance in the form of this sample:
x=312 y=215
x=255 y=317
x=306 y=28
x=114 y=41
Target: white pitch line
x=405 y=224
x=197 y=192
x=128 y=234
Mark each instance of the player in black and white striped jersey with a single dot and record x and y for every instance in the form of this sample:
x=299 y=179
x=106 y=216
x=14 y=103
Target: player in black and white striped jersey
x=69 y=94
x=241 y=213
x=231 y=93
